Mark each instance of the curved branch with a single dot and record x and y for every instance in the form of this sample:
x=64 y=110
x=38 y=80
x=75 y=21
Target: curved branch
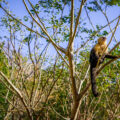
x=114 y=47
x=112 y=35
x=77 y=22
x=76 y=51
x=37 y=15
x=84 y=91
x=50 y=39
x=22 y=23
x=106 y=18
x=103 y=66
x=17 y=92
x=72 y=21
x=89 y=19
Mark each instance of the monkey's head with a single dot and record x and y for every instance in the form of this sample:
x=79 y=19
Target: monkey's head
x=102 y=40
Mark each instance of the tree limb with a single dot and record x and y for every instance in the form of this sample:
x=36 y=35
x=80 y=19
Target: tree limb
x=103 y=66
x=114 y=47
x=18 y=93
x=22 y=23
x=77 y=22
x=50 y=39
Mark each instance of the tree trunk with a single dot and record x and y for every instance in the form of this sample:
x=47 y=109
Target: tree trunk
x=74 y=109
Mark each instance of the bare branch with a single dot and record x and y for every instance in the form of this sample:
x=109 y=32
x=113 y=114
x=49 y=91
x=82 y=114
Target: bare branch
x=89 y=19
x=37 y=14
x=18 y=93
x=76 y=51
x=76 y=25
x=106 y=18
x=81 y=46
x=50 y=39
x=59 y=114
x=84 y=91
x=114 y=32
x=22 y=23
x=110 y=61
x=62 y=57
x=72 y=22
x=83 y=79
x=108 y=24
x=114 y=47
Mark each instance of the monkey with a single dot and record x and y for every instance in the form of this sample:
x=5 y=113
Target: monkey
x=97 y=55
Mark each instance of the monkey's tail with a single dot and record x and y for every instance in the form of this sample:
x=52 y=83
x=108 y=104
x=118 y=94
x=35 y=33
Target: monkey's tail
x=93 y=81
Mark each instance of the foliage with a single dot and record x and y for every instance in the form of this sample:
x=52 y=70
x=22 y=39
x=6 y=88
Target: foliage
x=41 y=80
x=3 y=90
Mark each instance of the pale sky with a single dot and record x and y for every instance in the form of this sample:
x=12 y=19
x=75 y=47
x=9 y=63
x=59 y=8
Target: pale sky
x=18 y=8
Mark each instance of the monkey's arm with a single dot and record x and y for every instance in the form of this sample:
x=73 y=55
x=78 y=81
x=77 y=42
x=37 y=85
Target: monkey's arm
x=110 y=56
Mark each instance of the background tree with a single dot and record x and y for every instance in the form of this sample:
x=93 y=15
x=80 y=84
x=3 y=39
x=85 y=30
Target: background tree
x=58 y=87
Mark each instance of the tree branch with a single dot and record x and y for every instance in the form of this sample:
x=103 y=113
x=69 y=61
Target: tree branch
x=106 y=19
x=18 y=93
x=114 y=47
x=112 y=35
x=89 y=19
x=77 y=22
x=84 y=91
x=76 y=51
x=50 y=39
x=72 y=21
x=37 y=15
x=103 y=66
x=22 y=23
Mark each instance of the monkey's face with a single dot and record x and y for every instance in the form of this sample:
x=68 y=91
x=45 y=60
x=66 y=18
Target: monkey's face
x=102 y=40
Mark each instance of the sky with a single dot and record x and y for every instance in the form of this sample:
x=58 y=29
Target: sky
x=18 y=8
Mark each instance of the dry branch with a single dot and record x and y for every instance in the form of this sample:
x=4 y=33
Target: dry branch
x=17 y=92
x=50 y=39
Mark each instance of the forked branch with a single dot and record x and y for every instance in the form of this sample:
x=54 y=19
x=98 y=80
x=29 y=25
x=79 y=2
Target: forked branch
x=44 y=30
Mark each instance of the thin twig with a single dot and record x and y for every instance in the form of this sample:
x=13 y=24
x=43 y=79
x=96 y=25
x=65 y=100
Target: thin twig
x=89 y=19
x=23 y=24
x=83 y=79
x=37 y=15
x=72 y=23
x=76 y=25
x=76 y=51
x=50 y=39
x=102 y=67
x=114 y=47
x=106 y=18
x=18 y=93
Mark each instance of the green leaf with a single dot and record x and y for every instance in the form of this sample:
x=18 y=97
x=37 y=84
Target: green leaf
x=90 y=9
x=26 y=40
x=105 y=32
x=25 y=18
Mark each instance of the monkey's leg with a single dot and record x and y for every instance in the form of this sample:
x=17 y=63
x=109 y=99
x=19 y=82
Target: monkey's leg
x=110 y=56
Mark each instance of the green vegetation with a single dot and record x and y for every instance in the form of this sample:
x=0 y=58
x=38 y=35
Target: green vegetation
x=44 y=60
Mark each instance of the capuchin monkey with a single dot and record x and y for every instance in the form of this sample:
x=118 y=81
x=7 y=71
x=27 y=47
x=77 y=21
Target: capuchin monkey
x=97 y=55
